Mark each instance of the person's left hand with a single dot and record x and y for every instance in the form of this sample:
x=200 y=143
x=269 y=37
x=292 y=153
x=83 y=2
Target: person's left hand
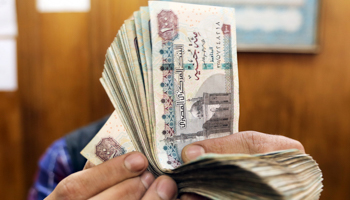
x=248 y=142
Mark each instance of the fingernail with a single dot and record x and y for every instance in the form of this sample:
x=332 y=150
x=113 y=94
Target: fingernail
x=193 y=151
x=147 y=179
x=166 y=189
x=134 y=162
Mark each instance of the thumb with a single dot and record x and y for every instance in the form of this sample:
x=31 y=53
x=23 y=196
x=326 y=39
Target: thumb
x=248 y=142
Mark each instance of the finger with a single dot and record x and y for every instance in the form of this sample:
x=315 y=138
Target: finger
x=163 y=188
x=89 y=182
x=249 y=142
x=191 y=196
x=130 y=189
x=88 y=165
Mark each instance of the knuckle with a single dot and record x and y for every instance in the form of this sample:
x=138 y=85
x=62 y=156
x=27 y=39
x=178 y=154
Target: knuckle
x=68 y=189
x=253 y=141
x=218 y=145
x=135 y=188
x=256 y=142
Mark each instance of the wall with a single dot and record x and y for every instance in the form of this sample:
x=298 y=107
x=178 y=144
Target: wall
x=61 y=55
x=306 y=97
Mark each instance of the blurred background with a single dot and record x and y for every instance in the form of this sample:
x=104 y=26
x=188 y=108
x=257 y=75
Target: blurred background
x=60 y=58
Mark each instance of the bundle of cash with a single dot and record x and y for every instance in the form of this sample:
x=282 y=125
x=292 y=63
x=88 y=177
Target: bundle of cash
x=171 y=74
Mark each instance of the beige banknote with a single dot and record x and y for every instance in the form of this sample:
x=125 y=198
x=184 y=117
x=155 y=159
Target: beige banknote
x=195 y=76
x=111 y=141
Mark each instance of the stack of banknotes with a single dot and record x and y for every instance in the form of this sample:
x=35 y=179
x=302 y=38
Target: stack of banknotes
x=171 y=74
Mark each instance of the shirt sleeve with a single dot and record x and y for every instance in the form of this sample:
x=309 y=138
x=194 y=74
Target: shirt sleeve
x=54 y=166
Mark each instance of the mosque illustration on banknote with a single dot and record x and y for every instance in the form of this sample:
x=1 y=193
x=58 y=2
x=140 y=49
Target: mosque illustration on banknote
x=215 y=109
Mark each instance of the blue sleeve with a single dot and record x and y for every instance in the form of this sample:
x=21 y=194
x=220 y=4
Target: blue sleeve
x=54 y=166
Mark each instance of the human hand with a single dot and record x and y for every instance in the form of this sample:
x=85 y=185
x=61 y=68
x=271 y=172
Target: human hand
x=248 y=142
x=123 y=177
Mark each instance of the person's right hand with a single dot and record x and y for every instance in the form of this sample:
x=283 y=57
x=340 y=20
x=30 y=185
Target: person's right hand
x=123 y=177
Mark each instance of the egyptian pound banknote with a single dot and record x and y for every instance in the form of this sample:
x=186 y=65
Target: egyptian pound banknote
x=195 y=77
x=111 y=141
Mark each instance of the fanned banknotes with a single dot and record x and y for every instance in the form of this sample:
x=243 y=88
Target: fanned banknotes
x=171 y=74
